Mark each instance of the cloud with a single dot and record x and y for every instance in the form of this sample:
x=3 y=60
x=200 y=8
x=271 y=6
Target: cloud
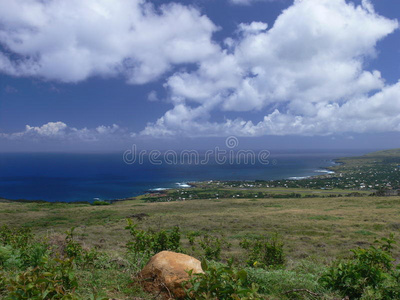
x=72 y=40
x=248 y=2
x=152 y=96
x=59 y=131
x=253 y=27
x=377 y=113
x=51 y=129
x=307 y=73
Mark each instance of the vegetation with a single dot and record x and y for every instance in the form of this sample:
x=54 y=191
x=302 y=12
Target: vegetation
x=244 y=190
x=36 y=275
x=144 y=244
x=236 y=236
x=37 y=269
x=100 y=202
x=264 y=252
x=370 y=274
x=221 y=282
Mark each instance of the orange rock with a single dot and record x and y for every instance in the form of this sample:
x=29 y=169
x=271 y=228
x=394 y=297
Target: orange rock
x=165 y=272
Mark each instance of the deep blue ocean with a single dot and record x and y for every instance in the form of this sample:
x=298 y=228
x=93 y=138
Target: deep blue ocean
x=86 y=177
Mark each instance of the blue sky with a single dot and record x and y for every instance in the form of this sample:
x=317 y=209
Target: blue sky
x=101 y=75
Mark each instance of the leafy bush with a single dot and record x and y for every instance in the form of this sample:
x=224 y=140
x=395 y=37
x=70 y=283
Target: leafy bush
x=18 y=249
x=37 y=275
x=74 y=250
x=17 y=238
x=100 y=203
x=264 y=252
x=220 y=282
x=9 y=258
x=34 y=254
x=146 y=243
x=31 y=270
x=46 y=282
x=191 y=236
x=211 y=246
x=370 y=274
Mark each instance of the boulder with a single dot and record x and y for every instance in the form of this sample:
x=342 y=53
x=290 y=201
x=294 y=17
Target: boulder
x=166 y=271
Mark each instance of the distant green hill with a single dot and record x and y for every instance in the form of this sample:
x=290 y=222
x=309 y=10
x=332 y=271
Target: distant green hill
x=385 y=153
x=373 y=160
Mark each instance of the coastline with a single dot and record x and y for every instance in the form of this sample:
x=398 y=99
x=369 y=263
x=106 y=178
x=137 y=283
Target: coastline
x=182 y=185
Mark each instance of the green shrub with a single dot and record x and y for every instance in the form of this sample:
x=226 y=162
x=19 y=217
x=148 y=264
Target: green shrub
x=264 y=252
x=211 y=246
x=34 y=254
x=370 y=274
x=55 y=280
x=100 y=202
x=17 y=238
x=31 y=269
x=9 y=257
x=72 y=249
x=167 y=240
x=18 y=249
x=220 y=282
x=82 y=257
x=191 y=236
x=146 y=243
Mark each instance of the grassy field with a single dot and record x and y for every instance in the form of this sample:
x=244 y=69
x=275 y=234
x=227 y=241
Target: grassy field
x=323 y=228
x=315 y=231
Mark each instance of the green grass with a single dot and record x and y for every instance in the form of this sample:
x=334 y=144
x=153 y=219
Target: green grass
x=364 y=232
x=334 y=221
x=325 y=218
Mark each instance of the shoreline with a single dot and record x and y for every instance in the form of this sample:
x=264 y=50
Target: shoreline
x=181 y=185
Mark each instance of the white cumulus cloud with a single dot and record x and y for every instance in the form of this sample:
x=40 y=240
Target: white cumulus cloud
x=59 y=131
x=248 y=2
x=72 y=40
x=253 y=27
x=307 y=73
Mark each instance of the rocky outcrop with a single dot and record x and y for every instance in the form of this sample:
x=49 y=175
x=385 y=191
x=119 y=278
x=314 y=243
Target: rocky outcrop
x=165 y=273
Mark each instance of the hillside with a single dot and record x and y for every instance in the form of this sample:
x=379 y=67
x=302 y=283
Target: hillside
x=385 y=153
x=314 y=231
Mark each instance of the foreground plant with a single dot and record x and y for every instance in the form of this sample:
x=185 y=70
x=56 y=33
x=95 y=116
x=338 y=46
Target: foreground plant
x=45 y=282
x=264 y=252
x=32 y=269
x=221 y=282
x=145 y=243
x=369 y=274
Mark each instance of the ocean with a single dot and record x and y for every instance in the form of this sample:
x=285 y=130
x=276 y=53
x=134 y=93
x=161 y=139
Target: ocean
x=62 y=177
